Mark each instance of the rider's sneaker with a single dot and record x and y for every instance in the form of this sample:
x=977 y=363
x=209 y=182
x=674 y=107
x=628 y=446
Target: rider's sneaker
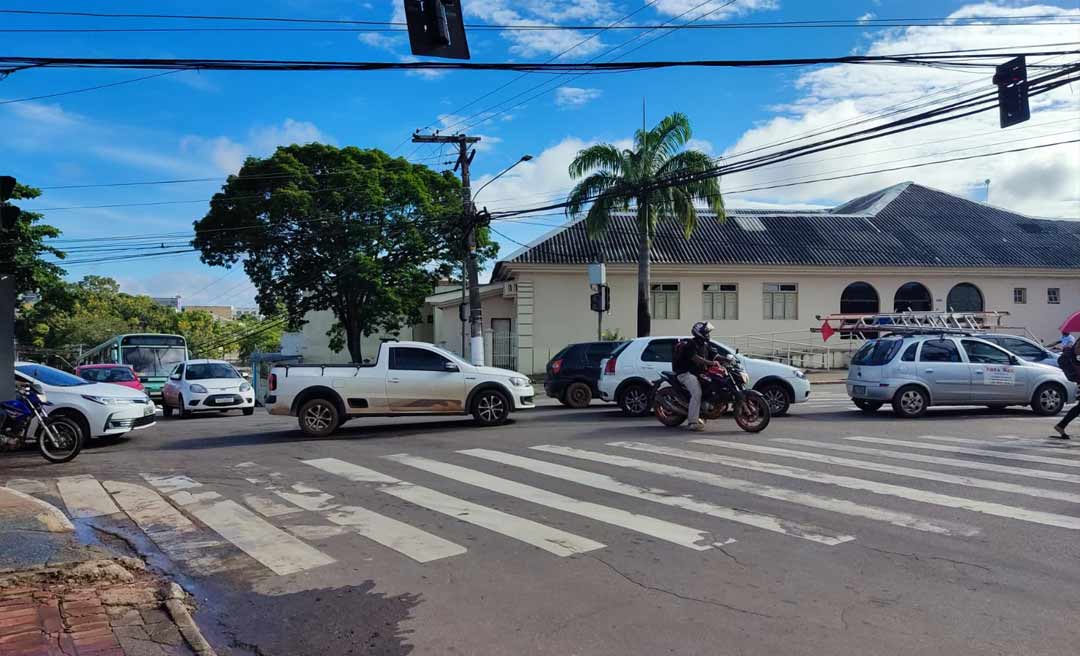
x=697 y=426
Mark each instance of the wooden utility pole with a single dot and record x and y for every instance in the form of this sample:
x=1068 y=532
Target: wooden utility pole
x=470 y=223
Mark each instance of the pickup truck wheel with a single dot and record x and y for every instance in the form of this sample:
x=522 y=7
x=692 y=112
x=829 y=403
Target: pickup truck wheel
x=491 y=408
x=318 y=417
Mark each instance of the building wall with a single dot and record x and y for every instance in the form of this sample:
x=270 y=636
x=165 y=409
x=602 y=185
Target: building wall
x=560 y=314
x=447 y=325
x=313 y=344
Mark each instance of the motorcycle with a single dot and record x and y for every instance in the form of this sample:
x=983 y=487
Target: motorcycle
x=58 y=438
x=722 y=387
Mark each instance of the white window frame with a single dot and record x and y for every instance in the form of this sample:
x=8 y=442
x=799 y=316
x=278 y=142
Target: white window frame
x=1053 y=295
x=1020 y=295
x=783 y=296
x=665 y=296
x=724 y=296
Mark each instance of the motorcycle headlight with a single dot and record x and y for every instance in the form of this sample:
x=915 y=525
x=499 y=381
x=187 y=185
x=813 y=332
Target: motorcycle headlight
x=197 y=388
x=519 y=382
x=107 y=400
x=244 y=387
x=745 y=377
x=800 y=373
x=42 y=398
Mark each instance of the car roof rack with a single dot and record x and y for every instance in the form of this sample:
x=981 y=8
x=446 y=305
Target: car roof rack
x=858 y=325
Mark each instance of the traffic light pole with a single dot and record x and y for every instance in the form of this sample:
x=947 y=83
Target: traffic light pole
x=476 y=319
x=7 y=305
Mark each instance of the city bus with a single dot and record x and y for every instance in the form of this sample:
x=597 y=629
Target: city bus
x=151 y=355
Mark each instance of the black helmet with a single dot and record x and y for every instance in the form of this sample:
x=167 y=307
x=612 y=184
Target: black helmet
x=702 y=330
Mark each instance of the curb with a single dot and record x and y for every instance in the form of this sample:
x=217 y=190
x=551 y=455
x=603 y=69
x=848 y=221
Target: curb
x=180 y=615
x=53 y=515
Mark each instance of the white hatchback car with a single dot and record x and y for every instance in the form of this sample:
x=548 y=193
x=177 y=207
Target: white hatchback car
x=101 y=409
x=204 y=385
x=627 y=376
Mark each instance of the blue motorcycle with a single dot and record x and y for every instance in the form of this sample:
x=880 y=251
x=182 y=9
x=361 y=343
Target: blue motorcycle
x=24 y=420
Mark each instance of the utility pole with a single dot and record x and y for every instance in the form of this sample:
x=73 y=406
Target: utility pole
x=470 y=223
x=9 y=215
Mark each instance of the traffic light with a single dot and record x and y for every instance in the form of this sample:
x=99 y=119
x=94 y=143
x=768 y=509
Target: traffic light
x=436 y=28
x=601 y=300
x=9 y=215
x=1011 y=81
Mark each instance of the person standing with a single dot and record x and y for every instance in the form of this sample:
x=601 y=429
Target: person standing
x=1067 y=340
x=1071 y=367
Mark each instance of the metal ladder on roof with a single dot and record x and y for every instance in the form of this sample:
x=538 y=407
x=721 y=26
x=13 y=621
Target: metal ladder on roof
x=908 y=322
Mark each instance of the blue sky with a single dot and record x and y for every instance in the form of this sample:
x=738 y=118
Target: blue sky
x=203 y=124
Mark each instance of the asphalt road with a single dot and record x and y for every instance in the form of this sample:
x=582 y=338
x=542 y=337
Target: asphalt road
x=833 y=532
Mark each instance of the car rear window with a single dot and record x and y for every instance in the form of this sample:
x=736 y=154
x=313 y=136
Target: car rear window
x=597 y=351
x=619 y=349
x=108 y=375
x=877 y=352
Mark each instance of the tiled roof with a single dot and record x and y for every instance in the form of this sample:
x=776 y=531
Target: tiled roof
x=906 y=225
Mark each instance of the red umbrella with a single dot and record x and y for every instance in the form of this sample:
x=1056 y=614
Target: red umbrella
x=1072 y=324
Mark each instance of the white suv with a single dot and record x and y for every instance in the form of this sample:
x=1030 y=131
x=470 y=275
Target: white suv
x=627 y=376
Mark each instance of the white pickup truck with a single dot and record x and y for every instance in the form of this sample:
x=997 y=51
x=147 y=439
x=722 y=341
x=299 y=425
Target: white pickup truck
x=407 y=378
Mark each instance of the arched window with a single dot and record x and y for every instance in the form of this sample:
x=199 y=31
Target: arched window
x=965 y=297
x=913 y=297
x=859 y=298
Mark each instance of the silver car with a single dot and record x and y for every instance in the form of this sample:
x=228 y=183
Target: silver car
x=1023 y=348
x=914 y=372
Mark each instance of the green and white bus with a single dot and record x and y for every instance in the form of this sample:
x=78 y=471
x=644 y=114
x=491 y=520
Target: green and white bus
x=151 y=355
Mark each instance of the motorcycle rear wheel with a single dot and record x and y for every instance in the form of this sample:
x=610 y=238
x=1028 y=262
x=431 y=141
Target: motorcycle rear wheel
x=752 y=413
x=666 y=409
x=68 y=440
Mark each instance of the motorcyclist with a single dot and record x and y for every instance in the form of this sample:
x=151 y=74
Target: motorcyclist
x=691 y=359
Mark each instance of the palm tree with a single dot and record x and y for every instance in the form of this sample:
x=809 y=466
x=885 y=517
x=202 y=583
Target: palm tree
x=618 y=180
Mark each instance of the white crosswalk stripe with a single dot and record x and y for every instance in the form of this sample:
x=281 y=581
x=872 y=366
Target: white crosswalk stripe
x=831 y=504
x=84 y=497
x=986 y=453
x=682 y=535
x=1037 y=492
x=603 y=482
x=911 y=494
x=552 y=540
x=937 y=460
x=1011 y=441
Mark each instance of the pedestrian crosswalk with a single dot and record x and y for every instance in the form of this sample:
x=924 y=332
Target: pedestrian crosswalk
x=285 y=518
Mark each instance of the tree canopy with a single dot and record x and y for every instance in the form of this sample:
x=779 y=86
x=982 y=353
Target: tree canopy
x=349 y=230
x=26 y=243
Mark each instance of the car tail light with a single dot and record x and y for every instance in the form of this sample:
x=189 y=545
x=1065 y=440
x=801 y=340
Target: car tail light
x=556 y=367
x=609 y=368
x=273 y=382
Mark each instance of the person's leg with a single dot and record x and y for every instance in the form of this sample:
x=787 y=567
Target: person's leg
x=693 y=385
x=1073 y=413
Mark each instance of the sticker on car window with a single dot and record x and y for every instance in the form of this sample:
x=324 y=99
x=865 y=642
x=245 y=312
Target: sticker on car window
x=1000 y=375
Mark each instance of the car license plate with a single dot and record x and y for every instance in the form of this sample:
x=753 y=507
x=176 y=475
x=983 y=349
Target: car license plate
x=859 y=389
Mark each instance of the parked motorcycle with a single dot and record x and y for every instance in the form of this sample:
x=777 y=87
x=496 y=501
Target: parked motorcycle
x=723 y=386
x=23 y=420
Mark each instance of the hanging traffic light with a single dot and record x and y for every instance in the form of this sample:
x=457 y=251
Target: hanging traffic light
x=436 y=28
x=1011 y=81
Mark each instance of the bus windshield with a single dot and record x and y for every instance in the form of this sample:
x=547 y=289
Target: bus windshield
x=153 y=360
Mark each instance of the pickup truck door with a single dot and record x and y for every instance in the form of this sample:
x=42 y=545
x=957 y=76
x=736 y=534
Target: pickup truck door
x=421 y=380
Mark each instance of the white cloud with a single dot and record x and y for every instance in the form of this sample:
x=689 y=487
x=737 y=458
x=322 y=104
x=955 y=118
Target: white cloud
x=1038 y=182
x=573 y=97
x=380 y=41
x=422 y=73
x=45 y=114
x=715 y=10
x=535 y=43
x=227 y=155
x=868 y=16
x=453 y=123
x=535 y=182
x=702 y=145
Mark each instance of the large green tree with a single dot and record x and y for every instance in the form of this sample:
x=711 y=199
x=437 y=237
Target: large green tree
x=25 y=244
x=349 y=230
x=640 y=179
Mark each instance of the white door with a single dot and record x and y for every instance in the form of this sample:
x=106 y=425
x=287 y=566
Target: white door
x=421 y=380
x=656 y=358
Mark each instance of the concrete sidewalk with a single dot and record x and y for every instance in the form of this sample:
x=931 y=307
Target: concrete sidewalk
x=61 y=597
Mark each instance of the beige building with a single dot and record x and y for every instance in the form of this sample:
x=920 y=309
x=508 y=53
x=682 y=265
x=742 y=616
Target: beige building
x=763 y=277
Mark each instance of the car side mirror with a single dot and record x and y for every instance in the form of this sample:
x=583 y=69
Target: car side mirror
x=174 y=377
x=1014 y=360
x=451 y=367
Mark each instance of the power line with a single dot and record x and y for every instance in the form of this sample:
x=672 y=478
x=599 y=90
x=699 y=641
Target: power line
x=85 y=89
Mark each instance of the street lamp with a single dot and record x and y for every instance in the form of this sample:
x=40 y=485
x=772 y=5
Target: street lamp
x=524 y=158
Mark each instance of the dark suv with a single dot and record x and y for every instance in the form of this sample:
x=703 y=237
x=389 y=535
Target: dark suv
x=574 y=371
